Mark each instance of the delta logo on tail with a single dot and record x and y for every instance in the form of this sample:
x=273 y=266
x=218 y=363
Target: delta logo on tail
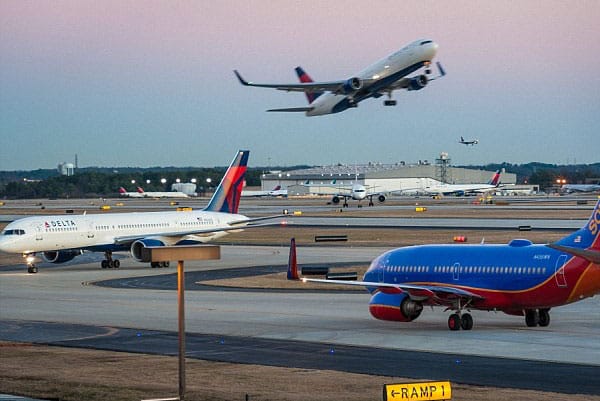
x=519 y=278
x=227 y=196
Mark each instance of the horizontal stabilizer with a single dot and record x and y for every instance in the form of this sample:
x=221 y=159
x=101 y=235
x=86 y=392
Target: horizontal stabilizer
x=587 y=254
x=293 y=109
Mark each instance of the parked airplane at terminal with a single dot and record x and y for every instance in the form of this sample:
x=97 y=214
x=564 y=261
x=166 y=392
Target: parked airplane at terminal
x=519 y=278
x=471 y=142
x=277 y=191
x=123 y=192
x=464 y=189
x=580 y=188
x=379 y=79
x=143 y=194
x=63 y=237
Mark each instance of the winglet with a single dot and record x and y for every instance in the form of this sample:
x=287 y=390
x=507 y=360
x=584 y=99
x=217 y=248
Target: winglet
x=239 y=77
x=292 y=273
x=440 y=68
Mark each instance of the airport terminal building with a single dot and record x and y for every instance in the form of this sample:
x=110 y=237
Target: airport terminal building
x=380 y=177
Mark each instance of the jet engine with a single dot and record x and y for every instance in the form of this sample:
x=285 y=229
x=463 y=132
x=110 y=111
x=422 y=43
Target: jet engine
x=417 y=83
x=137 y=246
x=335 y=200
x=60 y=256
x=381 y=198
x=397 y=307
x=352 y=85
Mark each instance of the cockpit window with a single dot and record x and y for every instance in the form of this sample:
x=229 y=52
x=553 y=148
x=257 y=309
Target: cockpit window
x=425 y=42
x=13 y=232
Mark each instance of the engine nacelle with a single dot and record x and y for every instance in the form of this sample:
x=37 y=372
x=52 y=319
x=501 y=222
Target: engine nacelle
x=335 y=200
x=417 y=83
x=381 y=198
x=352 y=85
x=137 y=246
x=397 y=307
x=60 y=256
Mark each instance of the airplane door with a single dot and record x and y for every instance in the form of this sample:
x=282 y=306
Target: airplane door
x=559 y=270
x=456 y=271
x=90 y=230
x=39 y=233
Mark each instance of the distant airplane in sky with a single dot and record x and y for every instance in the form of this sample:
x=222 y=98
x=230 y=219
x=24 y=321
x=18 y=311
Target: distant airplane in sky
x=580 y=188
x=464 y=189
x=379 y=79
x=519 y=278
x=470 y=142
x=277 y=191
x=63 y=237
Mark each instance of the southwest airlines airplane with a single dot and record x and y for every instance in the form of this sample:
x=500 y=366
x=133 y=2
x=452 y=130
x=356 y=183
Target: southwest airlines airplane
x=63 y=237
x=379 y=79
x=519 y=278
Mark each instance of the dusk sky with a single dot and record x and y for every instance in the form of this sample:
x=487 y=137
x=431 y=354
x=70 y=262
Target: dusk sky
x=150 y=83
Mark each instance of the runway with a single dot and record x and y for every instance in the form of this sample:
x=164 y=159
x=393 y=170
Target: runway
x=323 y=320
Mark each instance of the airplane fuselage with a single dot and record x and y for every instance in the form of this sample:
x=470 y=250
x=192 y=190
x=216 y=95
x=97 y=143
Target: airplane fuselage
x=378 y=77
x=510 y=278
x=101 y=232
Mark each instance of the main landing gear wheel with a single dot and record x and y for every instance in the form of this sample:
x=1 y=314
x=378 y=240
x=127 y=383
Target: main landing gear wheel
x=390 y=102
x=532 y=318
x=544 y=317
x=466 y=321
x=454 y=322
x=108 y=262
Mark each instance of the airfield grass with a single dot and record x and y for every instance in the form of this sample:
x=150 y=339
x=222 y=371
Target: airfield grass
x=80 y=374
x=71 y=374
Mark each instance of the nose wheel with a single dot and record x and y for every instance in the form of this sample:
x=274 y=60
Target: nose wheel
x=30 y=260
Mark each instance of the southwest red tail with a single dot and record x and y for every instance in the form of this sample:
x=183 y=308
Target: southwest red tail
x=226 y=198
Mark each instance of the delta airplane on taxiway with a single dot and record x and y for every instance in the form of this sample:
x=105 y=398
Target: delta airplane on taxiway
x=379 y=79
x=519 y=278
x=63 y=237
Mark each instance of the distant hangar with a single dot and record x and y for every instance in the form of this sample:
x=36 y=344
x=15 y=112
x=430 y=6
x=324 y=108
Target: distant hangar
x=381 y=177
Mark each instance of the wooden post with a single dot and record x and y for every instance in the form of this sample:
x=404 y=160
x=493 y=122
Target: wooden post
x=181 y=314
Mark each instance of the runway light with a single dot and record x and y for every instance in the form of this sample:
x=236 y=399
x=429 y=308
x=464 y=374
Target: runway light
x=331 y=351
x=222 y=341
x=138 y=334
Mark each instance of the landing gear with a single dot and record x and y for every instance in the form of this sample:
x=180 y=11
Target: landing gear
x=390 y=102
x=539 y=317
x=32 y=268
x=109 y=263
x=457 y=321
x=371 y=201
x=159 y=264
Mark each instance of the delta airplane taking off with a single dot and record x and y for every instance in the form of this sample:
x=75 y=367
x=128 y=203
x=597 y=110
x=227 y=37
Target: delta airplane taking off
x=379 y=79
x=463 y=189
x=519 y=278
x=61 y=238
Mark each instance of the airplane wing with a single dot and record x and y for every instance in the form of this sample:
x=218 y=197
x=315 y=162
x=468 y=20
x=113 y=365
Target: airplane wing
x=332 y=86
x=232 y=226
x=417 y=292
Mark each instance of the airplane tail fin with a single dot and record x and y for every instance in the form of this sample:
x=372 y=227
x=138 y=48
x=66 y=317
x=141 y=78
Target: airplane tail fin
x=226 y=198
x=140 y=190
x=305 y=78
x=277 y=188
x=122 y=190
x=292 y=273
x=495 y=181
x=587 y=237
